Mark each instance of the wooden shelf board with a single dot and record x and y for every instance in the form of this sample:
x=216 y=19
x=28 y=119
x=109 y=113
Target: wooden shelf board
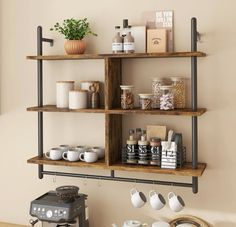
x=66 y=57
x=157 y=55
x=103 y=56
x=44 y=161
x=186 y=112
x=53 y=108
x=184 y=171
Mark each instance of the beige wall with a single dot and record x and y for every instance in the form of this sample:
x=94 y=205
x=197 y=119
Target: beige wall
x=109 y=201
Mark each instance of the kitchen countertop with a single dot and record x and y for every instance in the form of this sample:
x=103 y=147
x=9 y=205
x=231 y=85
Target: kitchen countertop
x=3 y=224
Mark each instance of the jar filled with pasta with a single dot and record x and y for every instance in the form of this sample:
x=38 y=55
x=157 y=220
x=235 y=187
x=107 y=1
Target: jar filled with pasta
x=178 y=84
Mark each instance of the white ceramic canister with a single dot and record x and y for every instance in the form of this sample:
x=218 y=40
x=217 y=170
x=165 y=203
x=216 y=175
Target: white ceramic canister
x=63 y=88
x=78 y=99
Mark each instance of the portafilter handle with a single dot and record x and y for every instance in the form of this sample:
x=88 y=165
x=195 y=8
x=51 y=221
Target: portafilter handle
x=33 y=222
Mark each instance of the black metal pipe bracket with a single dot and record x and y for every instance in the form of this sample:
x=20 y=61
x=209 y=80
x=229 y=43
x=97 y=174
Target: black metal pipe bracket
x=121 y=179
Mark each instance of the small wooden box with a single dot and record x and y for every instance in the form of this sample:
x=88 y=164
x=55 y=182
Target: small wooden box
x=156 y=40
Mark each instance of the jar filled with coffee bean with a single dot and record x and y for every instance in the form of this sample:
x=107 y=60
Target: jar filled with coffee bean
x=178 y=84
x=145 y=101
x=127 y=97
x=167 y=98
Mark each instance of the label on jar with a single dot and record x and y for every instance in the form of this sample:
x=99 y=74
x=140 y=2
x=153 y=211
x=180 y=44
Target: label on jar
x=128 y=46
x=116 y=46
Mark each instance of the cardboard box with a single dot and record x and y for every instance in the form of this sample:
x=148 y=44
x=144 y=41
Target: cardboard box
x=156 y=131
x=139 y=34
x=156 y=40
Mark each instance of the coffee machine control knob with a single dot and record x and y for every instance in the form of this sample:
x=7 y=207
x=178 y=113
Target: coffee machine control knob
x=49 y=214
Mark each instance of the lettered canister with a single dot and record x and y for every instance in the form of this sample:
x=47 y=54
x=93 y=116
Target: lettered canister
x=63 y=88
x=78 y=99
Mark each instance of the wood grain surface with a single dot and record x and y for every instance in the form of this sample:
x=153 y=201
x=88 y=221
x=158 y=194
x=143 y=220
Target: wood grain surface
x=133 y=55
x=181 y=112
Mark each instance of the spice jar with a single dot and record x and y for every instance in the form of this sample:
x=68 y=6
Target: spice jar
x=145 y=101
x=127 y=97
x=156 y=91
x=178 y=84
x=155 y=147
x=167 y=98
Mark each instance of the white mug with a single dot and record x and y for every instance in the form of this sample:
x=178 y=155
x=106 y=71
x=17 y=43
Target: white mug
x=100 y=151
x=176 y=203
x=64 y=147
x=88 y=156
x=71 y=155
x=54 y=154
x=138 y=199
x=157 y=201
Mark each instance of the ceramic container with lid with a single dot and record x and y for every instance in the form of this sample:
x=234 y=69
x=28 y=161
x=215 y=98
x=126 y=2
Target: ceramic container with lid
x=78 y=99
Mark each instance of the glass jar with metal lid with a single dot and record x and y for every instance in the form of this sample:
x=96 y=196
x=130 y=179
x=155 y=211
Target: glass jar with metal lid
x=178 y=84
x=167 y=97
x=127 y=97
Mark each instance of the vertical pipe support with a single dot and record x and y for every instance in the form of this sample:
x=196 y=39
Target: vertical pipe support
x=194 y=103
x=40 y=97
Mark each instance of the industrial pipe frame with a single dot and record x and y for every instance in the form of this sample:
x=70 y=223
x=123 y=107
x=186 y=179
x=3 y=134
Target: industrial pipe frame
x=112 y=177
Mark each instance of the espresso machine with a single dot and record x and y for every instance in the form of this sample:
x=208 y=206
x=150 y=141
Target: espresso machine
x=62 y=207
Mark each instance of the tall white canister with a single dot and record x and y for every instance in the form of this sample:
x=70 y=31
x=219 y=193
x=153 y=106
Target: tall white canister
x=78 y=99
x=63 y=88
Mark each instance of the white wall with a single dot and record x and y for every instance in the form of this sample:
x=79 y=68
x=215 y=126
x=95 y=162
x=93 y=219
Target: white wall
x=109 y=201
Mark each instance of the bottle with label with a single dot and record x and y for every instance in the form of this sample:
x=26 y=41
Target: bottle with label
x=131 y=148
x=143 y=149
x=128 y=41
x=117 y=41
x=155 y=147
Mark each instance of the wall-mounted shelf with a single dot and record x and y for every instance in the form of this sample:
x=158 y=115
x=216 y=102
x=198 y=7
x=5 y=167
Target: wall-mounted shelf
x=134 y=55
x=186 y=170
x=182 y=112
x=114 y=114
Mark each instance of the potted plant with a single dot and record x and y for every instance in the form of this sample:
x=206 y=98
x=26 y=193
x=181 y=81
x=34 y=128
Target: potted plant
x=74 y=31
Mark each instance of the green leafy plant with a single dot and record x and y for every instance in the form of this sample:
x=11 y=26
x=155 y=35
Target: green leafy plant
x=74 y=29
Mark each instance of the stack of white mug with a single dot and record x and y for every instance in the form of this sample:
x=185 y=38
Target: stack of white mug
x=157 y=201
x=77 y=153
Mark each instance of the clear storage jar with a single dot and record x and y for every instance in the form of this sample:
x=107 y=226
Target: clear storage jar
x=178 y=84
x=156 y=91
x=127 y=97
x=167 y=98
x=145 y=101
